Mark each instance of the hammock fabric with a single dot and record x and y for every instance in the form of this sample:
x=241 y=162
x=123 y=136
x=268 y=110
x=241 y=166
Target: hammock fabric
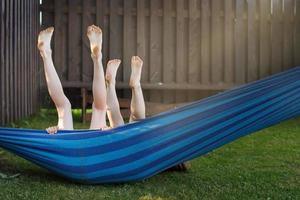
x=140 y=150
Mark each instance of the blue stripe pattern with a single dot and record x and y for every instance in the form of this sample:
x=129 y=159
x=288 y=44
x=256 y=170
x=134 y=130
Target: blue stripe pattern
x=140 y=150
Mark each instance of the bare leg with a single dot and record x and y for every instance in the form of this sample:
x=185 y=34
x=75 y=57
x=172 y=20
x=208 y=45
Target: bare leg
x=98 y=121
x=113 y=107
x=55 y=89
x=137 y=106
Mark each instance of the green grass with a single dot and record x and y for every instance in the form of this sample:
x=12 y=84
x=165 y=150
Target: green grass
x=265 y=165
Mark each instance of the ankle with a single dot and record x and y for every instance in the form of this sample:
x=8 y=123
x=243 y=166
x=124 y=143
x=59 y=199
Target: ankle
x=134 y=85
x=96 y=58
x=46 y=53
x=110 y=80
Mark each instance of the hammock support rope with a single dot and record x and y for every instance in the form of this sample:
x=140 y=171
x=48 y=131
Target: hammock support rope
x=140 y=150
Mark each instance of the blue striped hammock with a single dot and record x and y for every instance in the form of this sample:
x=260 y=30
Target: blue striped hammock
x=140 y=150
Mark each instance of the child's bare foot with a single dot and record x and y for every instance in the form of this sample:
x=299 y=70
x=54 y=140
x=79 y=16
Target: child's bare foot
x=94 y=34
x=52 y=129
x=136 y=70
x=111 y=70
x=44 y=40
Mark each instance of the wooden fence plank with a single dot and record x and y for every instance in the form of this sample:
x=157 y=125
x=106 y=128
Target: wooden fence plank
x=29 y=71
x=100 y=21
x=168 y=49
x=30 y=40
x=100 y=13
x=180 y=51
x=155 y=48
x=115 y=36
x=106 y=33
x=2 y=60
x=141 y=40
x=194 y=42
x=129 y=38
x=252 y=70
x=297 y=35
x=129 y=41
x=240 y=42
x=205 y=41
x=228 y=43
x=22 y=57
x=11 y=64
x=87 y=64
x=288 y=34
x=217 y=43
x=277 y=36
x=194 y=28
x=7 y=85
x=26 y=52
x=58 y=50
x=74 y=41
x=264 y=38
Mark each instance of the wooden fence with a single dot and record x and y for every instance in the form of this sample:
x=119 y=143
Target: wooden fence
x=19 y=59
x=188 y=46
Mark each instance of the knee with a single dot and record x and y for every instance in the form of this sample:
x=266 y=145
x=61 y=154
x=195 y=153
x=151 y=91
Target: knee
x=65 y=105
x=99 y=108
x=137 y=116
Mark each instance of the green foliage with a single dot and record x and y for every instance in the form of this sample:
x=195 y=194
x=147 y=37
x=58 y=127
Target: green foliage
x=264 y=165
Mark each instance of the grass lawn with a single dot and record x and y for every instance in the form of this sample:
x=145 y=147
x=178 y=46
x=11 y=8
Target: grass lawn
x=265 y=165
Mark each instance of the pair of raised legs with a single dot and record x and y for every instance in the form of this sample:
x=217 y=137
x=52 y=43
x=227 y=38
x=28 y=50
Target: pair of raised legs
x=105 y=98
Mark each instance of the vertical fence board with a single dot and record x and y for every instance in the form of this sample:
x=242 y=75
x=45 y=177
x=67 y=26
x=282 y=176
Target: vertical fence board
x=277 y=35
x=129 y=37
x=180 y=53
x=264 y=38
x=100 y=13
x=288 y=34
x=58 y=36
x=141 y=40
x=252 y=73
x=87 y=65
x=240 y=42
x=74 y=45
x=228 y=48
x=11 y=64
x=193 y=46
x=7 y=85
x=105 y=29
x=30 y=70
x=116 y=36
x=22 y=57
x=297 y=35
x=168 y=49
x=100 y=21
x=26 y=52
x=194 y=42
x=2 y=54
x=216 y=42
x=155 y=48
x=205 y=42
